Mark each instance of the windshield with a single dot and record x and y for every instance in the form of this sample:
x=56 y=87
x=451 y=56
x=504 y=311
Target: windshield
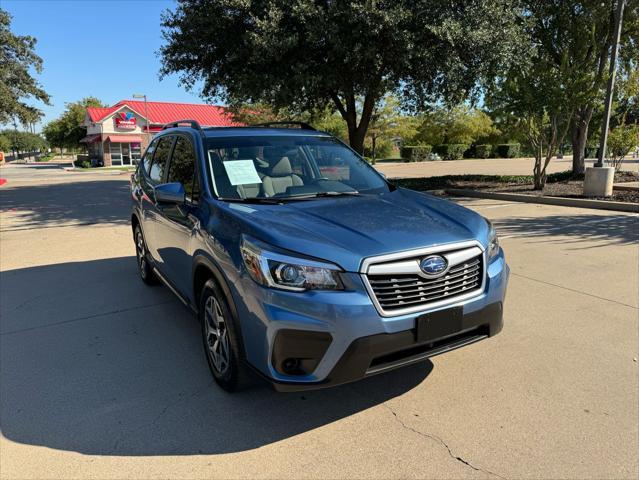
x=288 y=167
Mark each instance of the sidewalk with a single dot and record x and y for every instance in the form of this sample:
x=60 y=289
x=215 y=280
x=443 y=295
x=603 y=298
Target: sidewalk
x=488 y=166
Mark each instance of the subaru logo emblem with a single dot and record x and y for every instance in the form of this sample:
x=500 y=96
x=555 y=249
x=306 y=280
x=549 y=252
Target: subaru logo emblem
x=433 y=266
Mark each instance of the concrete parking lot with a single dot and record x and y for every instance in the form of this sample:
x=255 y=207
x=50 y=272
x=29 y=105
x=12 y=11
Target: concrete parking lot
x=103 y=377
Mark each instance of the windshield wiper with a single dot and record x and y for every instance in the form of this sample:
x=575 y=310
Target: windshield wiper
x=349 y=193
x=267 y=200
x=280 y=200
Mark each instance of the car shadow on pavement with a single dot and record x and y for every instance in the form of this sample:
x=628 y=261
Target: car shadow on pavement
x=608 y=229
x=81 y=202
x=93 y=361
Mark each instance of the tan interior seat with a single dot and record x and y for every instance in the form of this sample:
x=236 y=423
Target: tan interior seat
x=250 y=190
x=280 y=177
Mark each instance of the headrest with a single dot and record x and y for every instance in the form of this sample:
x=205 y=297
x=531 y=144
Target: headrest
x=244 y=153
x=282 y=168
x=273 y=153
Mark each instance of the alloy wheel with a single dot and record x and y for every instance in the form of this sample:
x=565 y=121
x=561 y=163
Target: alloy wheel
x=217 y=339
x=141 y=253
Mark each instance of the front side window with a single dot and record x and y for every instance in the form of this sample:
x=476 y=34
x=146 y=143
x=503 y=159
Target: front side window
x=288 y=167
x=160 y=159
x=148 y=155
x=182 y=167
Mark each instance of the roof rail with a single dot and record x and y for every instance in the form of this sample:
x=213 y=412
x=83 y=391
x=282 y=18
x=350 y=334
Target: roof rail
x=191 y=123
x=301 y=125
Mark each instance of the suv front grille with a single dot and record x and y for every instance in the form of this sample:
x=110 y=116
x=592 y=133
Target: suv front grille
x=399 y=291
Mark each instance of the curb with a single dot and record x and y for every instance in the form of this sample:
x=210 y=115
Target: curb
x=103 y=172
x=627 y=188
x=563 y=202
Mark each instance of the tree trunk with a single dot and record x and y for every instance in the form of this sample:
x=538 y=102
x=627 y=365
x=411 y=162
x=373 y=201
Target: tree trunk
x=356 y=138
x=374 y=141
x=579 y=137
x=539 y=173
x=348 y=111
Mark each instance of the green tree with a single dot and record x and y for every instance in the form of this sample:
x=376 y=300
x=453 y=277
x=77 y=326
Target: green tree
x=387 y=126
x=67 y=130
x=460 y=124
x=626 y=106
x=54 y=133
x=5 y=143
x=575 y=38
x=17 y=58
x=18 y=141
x=531 y=99
x=621 y=140
x=305 y=55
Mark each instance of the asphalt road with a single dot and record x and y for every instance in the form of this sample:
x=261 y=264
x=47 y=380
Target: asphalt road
x=103 y=377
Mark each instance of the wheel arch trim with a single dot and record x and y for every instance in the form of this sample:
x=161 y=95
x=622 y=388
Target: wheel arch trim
x=202 y=260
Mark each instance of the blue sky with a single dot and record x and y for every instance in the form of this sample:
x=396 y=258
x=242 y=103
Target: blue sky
x=103 y=48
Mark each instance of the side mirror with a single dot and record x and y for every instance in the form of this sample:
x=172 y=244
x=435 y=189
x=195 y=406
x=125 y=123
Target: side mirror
x=170 y=193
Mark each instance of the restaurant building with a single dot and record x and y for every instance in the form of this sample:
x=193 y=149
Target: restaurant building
x=119 y=134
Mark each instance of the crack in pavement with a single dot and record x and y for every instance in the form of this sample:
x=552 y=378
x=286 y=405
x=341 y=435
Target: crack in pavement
x=441 y=442
x=181 y=398
x=572 y=290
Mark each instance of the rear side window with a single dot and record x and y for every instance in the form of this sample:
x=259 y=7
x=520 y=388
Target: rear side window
x=160 y=159
x=182 y=168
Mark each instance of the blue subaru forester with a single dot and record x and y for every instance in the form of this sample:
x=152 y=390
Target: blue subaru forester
x=302 y=263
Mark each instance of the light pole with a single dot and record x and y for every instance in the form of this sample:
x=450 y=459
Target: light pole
x=599 y=180
x=146 y=111
x=611 y=84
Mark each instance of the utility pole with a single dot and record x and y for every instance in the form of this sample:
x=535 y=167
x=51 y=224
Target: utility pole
x=611 y=84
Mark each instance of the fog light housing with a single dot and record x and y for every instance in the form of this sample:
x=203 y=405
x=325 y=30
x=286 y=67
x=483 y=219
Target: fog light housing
x=291 y=366
x=299 y=352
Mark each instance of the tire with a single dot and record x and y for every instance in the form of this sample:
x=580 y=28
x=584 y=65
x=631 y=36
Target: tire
x=141 y=255
x=220 y=338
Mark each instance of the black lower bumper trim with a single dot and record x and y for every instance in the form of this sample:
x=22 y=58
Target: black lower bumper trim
x=386 y=351
x=297 y=352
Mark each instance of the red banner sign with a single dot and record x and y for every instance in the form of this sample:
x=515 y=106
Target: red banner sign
x=125 y=121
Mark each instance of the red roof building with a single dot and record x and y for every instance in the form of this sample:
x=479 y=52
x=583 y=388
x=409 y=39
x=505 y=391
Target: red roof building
x=119 y=134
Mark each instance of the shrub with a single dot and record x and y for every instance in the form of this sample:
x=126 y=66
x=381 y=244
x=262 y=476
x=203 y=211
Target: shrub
x=416 y=153
x=621 y=141
x=507 y=150
x=451 y=151
x=483 y=151
x=82 y=163
x=45 y=158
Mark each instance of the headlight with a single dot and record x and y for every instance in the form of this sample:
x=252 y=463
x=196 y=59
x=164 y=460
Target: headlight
x=277 y=270
x=493 y=241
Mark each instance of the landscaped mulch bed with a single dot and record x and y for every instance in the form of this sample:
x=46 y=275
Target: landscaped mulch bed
x=562 y=184
x=567 y=190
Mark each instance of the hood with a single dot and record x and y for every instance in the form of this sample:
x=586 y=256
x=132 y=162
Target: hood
x=345 y=230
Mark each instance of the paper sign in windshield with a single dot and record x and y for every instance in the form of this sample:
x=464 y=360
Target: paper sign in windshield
x=242 y=172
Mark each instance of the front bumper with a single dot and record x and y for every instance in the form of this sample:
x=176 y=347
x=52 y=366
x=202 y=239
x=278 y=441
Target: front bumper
x=379 y=353
x=339 y=337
